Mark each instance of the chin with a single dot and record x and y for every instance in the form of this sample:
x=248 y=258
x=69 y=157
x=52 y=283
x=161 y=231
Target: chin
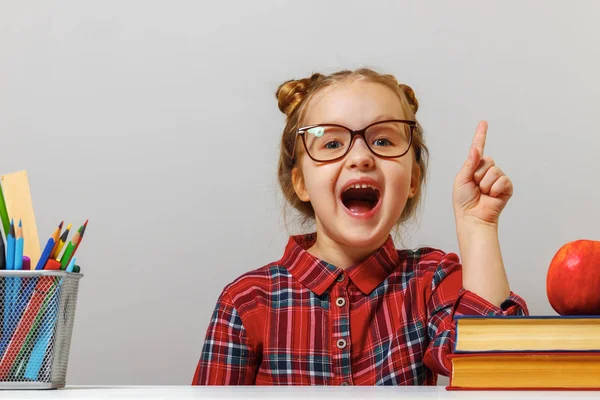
x=363 y=236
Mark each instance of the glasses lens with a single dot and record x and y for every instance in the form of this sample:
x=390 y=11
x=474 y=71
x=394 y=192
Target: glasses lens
x=326 y=142
x=389 y=139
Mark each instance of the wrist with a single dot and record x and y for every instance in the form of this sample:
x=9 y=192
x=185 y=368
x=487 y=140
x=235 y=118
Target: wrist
x=468 y=224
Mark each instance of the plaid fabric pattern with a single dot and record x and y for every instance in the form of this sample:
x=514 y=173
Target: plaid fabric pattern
x=302 y=321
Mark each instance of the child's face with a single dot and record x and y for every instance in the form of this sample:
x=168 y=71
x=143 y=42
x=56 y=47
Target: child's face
x=348 y=221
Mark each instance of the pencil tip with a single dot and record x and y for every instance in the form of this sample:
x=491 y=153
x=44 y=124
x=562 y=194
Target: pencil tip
x=61 y=224
x=85 y=224
x=20 y=223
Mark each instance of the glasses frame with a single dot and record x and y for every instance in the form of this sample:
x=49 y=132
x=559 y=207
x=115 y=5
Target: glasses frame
x=361 y=132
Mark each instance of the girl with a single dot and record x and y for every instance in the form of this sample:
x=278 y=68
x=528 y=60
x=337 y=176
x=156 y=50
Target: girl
x=343 y=306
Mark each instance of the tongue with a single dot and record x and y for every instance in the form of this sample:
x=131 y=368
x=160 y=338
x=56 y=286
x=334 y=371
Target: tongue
x=359 y=206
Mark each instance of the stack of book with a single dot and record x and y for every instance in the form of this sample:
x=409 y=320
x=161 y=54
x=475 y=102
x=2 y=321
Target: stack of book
x=526 y=352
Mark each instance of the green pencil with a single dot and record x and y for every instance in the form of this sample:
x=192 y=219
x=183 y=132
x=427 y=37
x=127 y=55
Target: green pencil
x=64 y=260
x=4 y=213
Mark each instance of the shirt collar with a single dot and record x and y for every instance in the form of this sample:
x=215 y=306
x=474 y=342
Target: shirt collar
x=318 y=275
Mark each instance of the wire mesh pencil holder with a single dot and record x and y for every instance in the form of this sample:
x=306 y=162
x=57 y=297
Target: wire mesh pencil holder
x=37 y=315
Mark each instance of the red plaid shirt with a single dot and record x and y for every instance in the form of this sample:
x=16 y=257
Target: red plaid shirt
x=302 y=321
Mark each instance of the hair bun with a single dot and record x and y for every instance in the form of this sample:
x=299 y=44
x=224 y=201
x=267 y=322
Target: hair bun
x=410 y=96
x=291 y=93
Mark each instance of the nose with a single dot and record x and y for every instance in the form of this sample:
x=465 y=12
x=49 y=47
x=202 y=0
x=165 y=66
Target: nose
x=359 y=156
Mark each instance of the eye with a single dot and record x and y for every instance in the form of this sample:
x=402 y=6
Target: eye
x=332 y=144
x=382 y=142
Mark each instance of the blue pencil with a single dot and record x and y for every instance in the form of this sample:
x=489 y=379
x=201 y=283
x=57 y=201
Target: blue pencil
x=71 y=265
x=17 y=265
x=10 y=265
x=18 y=259
x=10 y=247
x=45 y=254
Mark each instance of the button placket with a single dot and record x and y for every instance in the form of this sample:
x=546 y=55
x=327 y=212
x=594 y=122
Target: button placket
x=342 y=331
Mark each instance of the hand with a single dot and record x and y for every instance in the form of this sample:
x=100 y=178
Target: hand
x=481 y=190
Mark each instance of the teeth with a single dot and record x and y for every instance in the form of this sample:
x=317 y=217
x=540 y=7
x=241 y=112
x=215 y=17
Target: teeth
x=360 y=186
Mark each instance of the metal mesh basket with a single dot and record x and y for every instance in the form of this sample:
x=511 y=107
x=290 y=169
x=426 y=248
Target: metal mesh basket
x=37 y=313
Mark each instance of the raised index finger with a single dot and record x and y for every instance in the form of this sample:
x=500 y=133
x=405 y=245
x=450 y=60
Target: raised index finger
x=479 y=138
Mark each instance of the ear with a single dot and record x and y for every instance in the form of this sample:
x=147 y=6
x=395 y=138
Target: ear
x=414 y=181
x=299 y=187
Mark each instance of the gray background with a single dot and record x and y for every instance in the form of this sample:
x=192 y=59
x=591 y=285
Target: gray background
x=157 y=121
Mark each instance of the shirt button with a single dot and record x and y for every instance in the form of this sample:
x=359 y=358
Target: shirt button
x=341 y=343
x=340 y=277
x=340 y=302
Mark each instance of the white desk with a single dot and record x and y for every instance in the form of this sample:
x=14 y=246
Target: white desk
x=295 y=392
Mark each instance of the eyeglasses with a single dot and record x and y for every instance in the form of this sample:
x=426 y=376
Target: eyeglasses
x=330 y=142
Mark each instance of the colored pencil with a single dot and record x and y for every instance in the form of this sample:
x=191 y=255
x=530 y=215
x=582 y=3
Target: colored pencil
x=18 y=263
x=83 y=227
x=10 y=247
x=61 y=242
x=56 y=236
x=46 y=331
x=69 y=251
x=45 y=254
x=2 y=253
x=4 y=213
x=30 y=283
x=71 y=265
x=28 y=323
x=52 y=265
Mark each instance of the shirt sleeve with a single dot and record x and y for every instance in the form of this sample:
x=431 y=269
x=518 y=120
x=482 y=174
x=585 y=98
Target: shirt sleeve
x=227 y=357
x=448 y=298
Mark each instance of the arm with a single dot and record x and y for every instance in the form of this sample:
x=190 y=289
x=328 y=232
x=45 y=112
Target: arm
x=483 y=268
x=481 y=191
x=479 y=286
x=227 y=356
x=447 y=299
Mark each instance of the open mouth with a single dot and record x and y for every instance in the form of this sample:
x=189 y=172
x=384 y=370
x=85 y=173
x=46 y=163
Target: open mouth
x=360 y=198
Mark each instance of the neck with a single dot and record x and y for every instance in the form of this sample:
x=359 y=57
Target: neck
x=339 y=254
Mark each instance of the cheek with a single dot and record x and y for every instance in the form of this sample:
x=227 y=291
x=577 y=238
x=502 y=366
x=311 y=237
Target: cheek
x=319 y=180
x=399 y=180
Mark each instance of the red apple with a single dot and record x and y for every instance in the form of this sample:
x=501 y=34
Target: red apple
x=573 y=280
